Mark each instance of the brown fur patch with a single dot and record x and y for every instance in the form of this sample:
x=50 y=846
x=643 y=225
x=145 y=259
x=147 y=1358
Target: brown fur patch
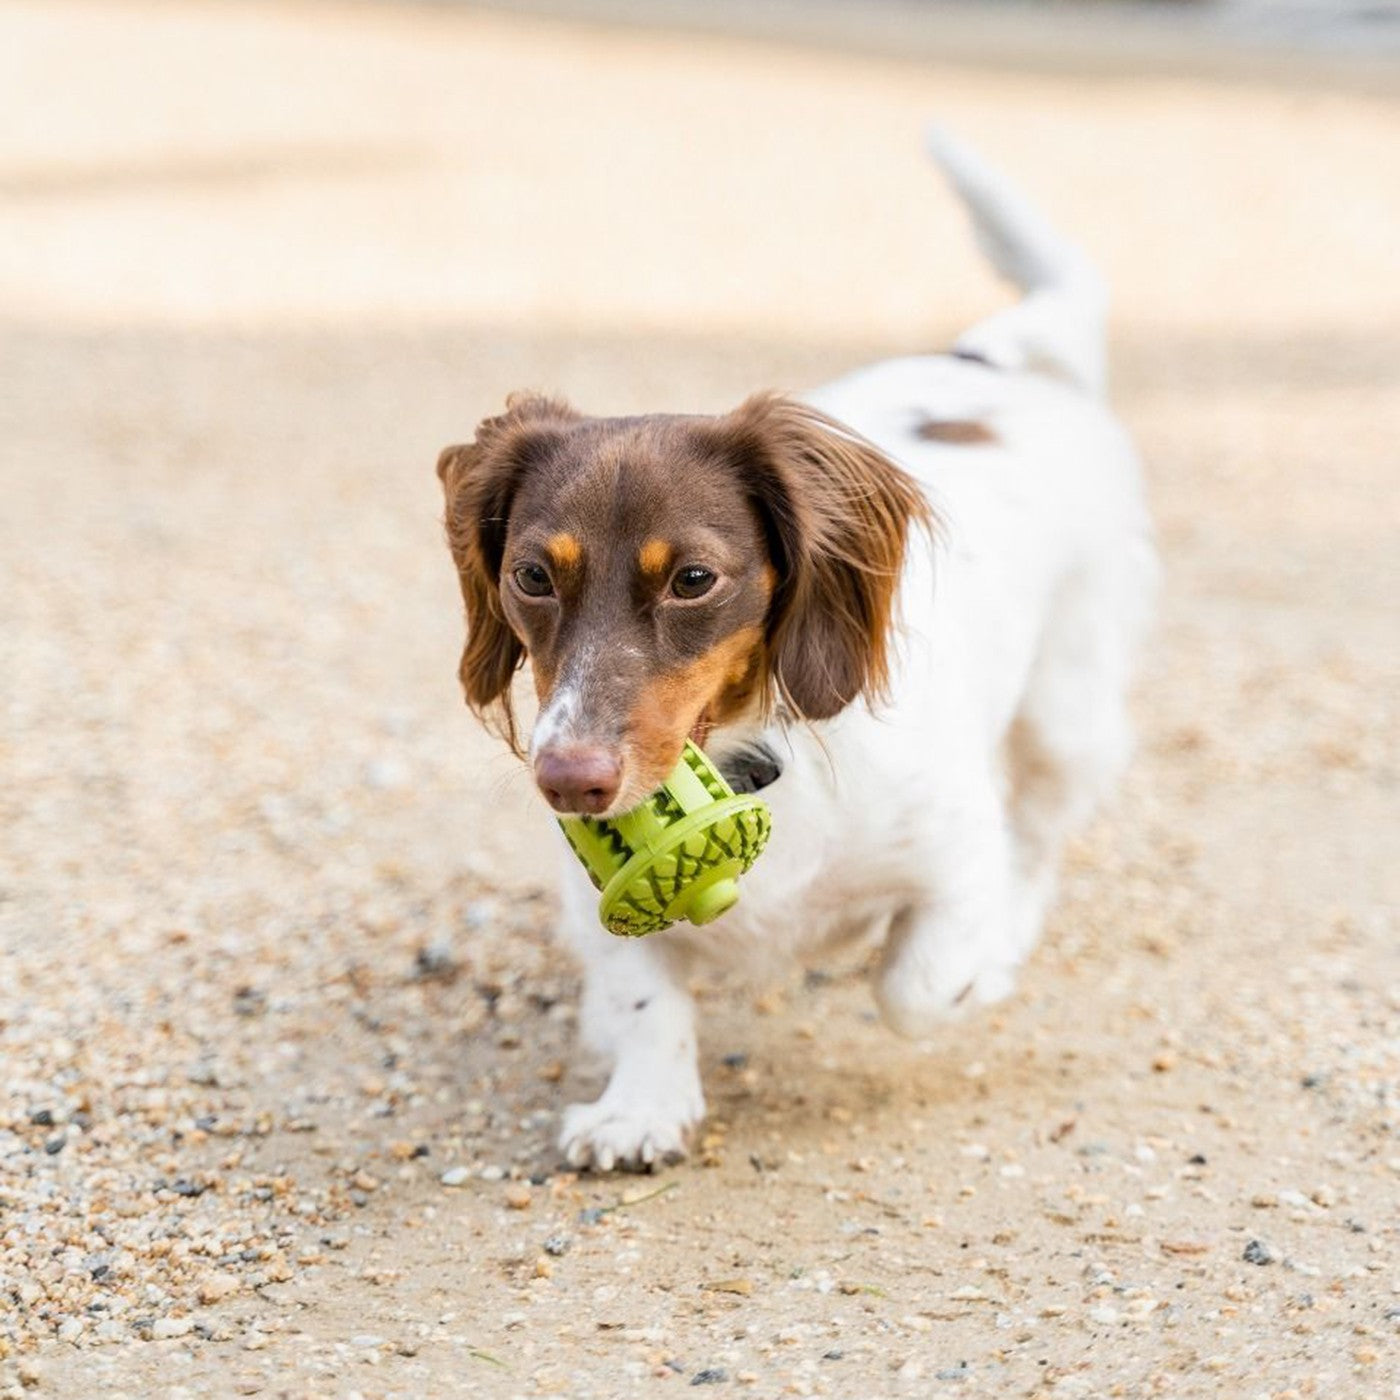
x=479 y=480
x=669 y=707
x=544 y=674
x=744 y=686
x=838 y=515
x=958 y=432
x=654 y=557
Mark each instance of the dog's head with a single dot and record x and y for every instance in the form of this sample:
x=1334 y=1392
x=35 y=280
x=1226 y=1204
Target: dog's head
x=665 y=574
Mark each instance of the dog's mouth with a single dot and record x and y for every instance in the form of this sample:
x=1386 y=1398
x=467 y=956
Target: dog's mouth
x=700 y=730
x=698 y=734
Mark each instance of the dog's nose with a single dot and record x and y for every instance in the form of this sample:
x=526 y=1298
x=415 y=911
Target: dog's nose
x=578 y=779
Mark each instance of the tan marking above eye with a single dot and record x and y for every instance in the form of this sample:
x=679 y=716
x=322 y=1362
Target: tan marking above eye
x=654 y=557
x=564 y=550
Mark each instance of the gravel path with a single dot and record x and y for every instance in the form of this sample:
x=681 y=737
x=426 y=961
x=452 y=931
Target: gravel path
x=282 y=1037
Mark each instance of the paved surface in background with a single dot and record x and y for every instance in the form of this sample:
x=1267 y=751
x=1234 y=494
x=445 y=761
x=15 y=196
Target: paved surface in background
x=1355 y=42
x=274 y=958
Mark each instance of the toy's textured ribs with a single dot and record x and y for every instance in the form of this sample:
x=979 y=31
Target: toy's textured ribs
x=708 y=774
x=658 y=893
x=751 y=829
x=677 y=855
x=601 y=831
x=574 y=838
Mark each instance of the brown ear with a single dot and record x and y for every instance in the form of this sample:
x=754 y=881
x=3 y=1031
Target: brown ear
x=838 y=514
x=479 y=481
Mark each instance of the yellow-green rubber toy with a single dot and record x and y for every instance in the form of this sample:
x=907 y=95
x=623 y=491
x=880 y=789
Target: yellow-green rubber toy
x=677 y=856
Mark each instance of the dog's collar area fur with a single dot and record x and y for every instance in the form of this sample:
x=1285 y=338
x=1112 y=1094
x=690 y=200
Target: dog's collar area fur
x=751 y=769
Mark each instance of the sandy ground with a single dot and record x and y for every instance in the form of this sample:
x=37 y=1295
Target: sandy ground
x=274 y=954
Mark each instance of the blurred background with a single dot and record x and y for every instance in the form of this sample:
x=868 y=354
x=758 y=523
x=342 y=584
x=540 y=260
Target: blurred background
x=259 y=262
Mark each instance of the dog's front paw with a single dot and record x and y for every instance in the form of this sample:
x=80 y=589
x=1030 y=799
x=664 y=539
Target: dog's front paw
x=630 y=1133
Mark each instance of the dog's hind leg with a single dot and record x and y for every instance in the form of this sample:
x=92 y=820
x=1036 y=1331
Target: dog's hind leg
x=954 y=949
x=1069 y=742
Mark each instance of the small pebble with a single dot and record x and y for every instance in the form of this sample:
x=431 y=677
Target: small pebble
x=435 y=960
x=218 y=1287
x=1257 y=1252
x=455 y=1176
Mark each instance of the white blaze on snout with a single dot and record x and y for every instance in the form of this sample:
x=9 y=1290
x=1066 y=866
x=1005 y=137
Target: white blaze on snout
x=557 y=722
x=563 y=719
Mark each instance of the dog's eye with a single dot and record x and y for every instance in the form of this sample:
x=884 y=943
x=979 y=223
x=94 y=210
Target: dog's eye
x=532 y=580
x=694 y=581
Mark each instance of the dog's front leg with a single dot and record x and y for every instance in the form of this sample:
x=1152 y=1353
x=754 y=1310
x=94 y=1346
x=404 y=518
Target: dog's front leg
x=637 y=1013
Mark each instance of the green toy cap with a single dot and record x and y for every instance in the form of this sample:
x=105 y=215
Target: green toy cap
x=677 y=856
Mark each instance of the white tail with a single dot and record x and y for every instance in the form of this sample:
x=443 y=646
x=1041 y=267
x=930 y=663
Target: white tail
x=1058 y=328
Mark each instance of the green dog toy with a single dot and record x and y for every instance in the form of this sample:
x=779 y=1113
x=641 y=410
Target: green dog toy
x=677 y=856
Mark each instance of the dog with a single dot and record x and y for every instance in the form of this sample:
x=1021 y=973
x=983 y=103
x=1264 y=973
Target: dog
x=905 y=607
